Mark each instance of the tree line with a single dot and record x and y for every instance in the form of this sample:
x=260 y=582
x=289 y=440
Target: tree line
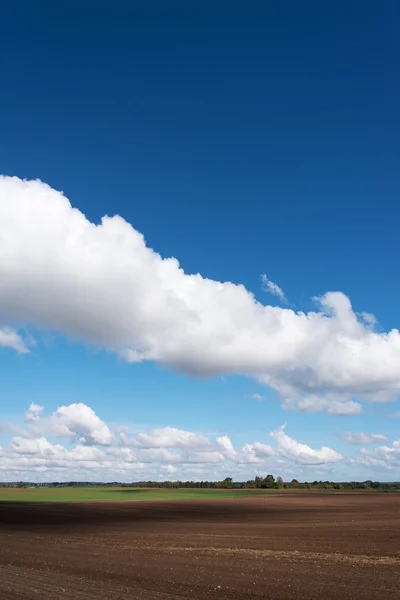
x=267 y=482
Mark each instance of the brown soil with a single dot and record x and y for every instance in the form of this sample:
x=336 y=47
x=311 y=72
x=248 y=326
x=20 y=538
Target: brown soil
x=297 y=547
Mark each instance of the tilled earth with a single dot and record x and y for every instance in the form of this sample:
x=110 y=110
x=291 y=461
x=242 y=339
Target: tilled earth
x=292 y=547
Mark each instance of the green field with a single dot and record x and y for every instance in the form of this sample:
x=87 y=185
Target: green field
x=111 y=494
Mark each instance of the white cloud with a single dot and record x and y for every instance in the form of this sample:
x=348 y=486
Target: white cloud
x=92 y=452
x=102 y=284
x=301 y=453
x=17 y=431
x=372 y=463
x=395 y=414
x=247 y=455
x=33 y=456
x=387 y=457
x=170 y=469
x=33 y=413
x=125 y=454
x=169 y=437
x=75 y=421
x=256 y=453
x=150 y=455
x=258 y=397
x=40 y=446
x=369 y=318
x=331 y=404
x=131 y=356
x=363 y=439
x=225 y=443
x=205 y=457
x=9 y=338
x=272 y=288
x=125 y=439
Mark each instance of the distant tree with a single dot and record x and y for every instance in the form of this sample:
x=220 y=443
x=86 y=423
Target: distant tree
x=338 y=486
x=328 y=485
x=268 y=482
x=227 y=482
x=279 y=483
x=367 y=484
x=250 y=483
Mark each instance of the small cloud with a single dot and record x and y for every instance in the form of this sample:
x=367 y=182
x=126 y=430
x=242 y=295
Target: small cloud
x=169 y=469
x=394 y=415
x=258 y=397
x=331 y=404
x=363 y=439
x=368 y=318
x=272 y=288
x=33 y=413
x=131 y=356
x=9 y=338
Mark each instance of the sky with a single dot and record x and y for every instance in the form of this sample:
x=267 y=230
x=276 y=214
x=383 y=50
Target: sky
x=199 y=241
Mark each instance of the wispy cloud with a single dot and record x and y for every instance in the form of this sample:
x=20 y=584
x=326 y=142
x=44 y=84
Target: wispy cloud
x=273 y=288
x=394 y=415
x=363 y=439
x=9 y=338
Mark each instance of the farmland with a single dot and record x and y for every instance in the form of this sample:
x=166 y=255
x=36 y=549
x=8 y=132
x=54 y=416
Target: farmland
x=217 y=544
x=114 y=494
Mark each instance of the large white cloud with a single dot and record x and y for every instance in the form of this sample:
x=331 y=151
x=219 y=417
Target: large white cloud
x=103 y=285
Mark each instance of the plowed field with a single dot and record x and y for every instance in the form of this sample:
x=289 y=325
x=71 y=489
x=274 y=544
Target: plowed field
x=280 y=547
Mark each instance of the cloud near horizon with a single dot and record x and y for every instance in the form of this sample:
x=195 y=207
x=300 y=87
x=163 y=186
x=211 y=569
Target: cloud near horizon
x=91 y=451
x=102 y=285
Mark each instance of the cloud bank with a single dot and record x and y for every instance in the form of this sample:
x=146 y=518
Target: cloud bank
x=75 y=443
x=102 y=285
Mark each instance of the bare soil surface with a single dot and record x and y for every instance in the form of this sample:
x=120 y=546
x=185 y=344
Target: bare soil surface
x=293 y=547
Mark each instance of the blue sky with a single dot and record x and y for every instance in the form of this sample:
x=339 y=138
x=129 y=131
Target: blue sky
x=242 y=141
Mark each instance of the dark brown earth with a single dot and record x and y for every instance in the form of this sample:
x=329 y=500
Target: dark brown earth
x=297 y=547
